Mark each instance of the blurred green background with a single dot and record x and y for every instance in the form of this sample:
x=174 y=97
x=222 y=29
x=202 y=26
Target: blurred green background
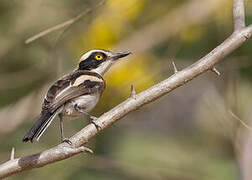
x=189 y=134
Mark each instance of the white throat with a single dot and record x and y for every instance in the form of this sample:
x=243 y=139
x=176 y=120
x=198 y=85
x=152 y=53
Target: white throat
x=103 y=68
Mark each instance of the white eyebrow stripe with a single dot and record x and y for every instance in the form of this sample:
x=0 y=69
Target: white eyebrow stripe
x=87 y=54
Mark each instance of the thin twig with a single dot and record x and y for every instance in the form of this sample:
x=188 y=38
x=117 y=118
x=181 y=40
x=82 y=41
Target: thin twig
x=214 y=70
x=242 y=122
x=239 y=14
x=64 y=24
x=174 y=67
x=12 y=156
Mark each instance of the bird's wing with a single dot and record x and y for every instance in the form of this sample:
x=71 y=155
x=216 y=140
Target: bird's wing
x=71 y=86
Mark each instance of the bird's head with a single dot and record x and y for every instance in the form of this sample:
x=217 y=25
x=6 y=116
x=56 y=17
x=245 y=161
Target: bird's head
x=99 y=60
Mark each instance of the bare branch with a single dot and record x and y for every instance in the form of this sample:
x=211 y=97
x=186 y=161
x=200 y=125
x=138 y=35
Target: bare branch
x=64 y=24
x=62 y=151
x=174 y=67
x=59 y=152
x=133 y=92
x=12 y=156
x=214 y=70
x=239 y=14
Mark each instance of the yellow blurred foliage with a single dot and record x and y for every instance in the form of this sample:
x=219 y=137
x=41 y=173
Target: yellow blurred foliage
x=222 y=14
x=109 y=26
x=135 y=71
x=192 y=33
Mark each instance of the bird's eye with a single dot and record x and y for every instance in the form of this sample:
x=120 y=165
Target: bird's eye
x=98 y=57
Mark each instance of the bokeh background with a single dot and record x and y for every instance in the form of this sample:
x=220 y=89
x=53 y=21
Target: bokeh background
x=193 y=133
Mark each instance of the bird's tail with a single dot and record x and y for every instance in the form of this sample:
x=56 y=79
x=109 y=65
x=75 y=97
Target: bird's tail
x=40 y=126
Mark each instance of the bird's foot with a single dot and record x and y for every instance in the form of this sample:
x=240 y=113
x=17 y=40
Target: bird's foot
x=93 y=119
x=96 y=125
x=66 y=140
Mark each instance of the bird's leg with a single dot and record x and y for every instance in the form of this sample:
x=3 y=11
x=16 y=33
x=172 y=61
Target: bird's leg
x=93 y=118
x=63 y=139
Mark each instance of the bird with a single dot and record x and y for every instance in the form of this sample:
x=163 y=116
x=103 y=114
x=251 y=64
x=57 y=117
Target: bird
x=76 y=93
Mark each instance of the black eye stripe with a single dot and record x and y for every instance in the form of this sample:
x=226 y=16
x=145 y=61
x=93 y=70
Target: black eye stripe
x=91 y=62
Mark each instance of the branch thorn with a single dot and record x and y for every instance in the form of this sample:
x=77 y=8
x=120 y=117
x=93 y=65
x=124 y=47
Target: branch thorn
x=12 y=156
x=133 y=92
x=174 y=67
x=214 y=70
x=85 y=149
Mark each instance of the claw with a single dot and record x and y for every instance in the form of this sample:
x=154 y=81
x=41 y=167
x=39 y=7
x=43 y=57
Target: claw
x=66 y=141
x=96 y=125
x=93 y=118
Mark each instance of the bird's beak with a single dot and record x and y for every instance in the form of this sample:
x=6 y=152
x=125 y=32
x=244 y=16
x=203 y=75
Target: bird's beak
x=120 y=55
